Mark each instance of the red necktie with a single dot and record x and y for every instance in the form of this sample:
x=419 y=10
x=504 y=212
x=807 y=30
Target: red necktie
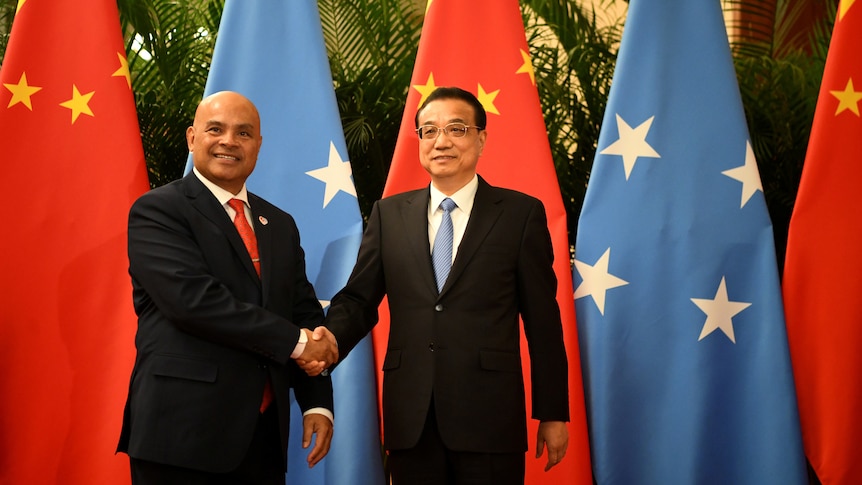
x=245 y=232
x=250 y=241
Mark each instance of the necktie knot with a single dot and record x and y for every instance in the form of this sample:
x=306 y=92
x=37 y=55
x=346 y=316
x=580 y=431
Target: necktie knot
x=448 y=204
x=237 y=205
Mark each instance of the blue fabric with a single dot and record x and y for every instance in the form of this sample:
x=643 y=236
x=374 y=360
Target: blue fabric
x=272 y=51
x=683 y=343
x=441 y=254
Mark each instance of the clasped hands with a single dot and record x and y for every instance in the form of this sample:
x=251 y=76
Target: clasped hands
x=321 y=351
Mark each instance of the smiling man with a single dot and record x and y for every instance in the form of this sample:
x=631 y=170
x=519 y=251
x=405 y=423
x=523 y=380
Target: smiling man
x=460 y=261
x=224 y=306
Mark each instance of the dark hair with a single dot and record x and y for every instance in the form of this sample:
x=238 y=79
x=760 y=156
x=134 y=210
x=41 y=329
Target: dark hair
x=451 y=92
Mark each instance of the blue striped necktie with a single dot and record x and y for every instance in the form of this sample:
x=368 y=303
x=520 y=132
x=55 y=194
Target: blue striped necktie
x=441 y=255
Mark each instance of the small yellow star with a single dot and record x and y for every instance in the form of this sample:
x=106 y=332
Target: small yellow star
x=79 y=103
x=487 y=100
x=425 y=89
x=428 y=6
x=20 y=4
x=527 y=67
x=21 y=92
x=844 y=7
x=123 y=70
x=848 y=99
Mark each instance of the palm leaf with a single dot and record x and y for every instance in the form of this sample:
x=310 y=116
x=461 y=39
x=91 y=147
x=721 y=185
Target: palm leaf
x=371 y=46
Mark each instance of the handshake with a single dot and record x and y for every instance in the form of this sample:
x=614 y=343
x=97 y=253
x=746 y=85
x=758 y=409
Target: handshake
x=321 y=351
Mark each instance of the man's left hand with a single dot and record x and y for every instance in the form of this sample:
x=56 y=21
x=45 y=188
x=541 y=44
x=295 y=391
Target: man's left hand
x=320 y=425
x=555 y=435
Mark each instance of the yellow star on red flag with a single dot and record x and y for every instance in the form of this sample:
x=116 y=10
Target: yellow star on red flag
x=487 y=99
x=123 y=71
x=425 y=89
x=847 y=99
x=79 y=103
x=21 y=92
x=844 y=7
x=527 y=67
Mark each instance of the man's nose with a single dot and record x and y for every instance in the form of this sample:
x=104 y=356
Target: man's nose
x=442 y=139
x=228 y=138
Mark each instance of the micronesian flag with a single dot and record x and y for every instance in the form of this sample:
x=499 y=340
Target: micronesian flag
x=272 y=51
x=683 y=341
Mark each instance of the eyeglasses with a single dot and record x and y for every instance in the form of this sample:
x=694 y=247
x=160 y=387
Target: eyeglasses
x=454 y=130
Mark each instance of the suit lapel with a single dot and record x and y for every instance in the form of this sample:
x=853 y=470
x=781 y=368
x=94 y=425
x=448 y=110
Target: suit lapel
x=414 y=217
x=486 y=210
x=264 y=241
x=204 y=202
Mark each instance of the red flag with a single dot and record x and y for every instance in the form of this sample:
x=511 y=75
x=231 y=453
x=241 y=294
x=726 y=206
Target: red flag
x=73 y=164
x=823 y=267
x=481 y=46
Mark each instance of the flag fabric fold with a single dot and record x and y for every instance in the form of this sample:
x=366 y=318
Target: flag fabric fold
x=74 y=164
x=687 y=370
x=823 y=265
x=272 y=52
x=481 y=46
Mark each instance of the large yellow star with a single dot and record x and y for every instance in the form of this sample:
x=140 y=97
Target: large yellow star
x=844 y=7
x=425 y=89
x=428 y=6
x=848 y=99
x=79 y=103
x=527 y=67
x=20 y=4
x=487 y=100
x=123 y=70
x=21 y=92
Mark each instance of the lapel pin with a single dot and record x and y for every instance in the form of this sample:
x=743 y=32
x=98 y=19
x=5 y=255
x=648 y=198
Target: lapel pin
x=263 y=220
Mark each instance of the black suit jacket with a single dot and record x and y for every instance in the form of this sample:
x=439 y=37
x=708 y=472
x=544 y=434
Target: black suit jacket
x=463 y=345
x=210 y=331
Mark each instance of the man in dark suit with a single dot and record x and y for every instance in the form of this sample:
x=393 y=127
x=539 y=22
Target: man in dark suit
x=453 y=391
x=219 y=319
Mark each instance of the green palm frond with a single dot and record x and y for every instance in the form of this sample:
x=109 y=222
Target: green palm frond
x=7 y=14
x=372 y=48
x=170 y=49
x=573 y=52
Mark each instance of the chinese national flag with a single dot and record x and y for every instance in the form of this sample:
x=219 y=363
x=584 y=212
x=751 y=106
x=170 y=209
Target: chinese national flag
x=481 y=46
x=73 y=164
x=823 y=269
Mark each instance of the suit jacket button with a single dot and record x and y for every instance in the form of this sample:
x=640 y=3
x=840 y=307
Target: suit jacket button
x=438 y=307
x=431 y=346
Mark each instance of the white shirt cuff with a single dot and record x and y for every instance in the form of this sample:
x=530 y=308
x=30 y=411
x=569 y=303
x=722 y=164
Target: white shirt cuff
x=300 y=346
x=322 y=411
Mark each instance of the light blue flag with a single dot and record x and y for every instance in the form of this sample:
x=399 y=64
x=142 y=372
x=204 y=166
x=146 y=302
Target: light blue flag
x=686 y=364
x=272 y=51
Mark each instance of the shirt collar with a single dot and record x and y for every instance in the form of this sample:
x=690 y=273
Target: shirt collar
x=221 y=194
x=463 y=197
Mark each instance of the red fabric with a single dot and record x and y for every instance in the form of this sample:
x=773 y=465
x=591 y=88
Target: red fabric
x=476 y=45
x=250 y=241
x=245 y=232
x=72 y=170
x=823 y=268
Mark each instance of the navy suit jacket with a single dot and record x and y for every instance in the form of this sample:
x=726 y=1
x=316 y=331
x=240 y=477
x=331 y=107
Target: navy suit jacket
x=461 y=346
x=210 y=331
